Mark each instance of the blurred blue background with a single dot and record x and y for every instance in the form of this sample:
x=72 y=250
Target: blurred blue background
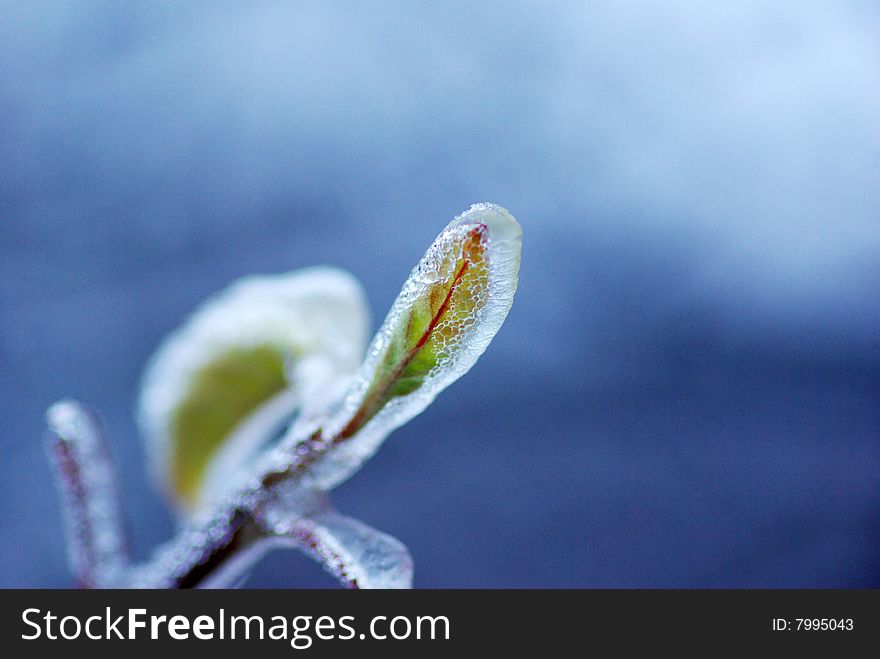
x=687 y=389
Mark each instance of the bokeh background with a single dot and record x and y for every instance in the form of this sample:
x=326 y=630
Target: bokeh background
x=687 y=389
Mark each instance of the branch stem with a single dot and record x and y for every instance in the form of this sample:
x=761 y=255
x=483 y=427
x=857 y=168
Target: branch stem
x=98 y=548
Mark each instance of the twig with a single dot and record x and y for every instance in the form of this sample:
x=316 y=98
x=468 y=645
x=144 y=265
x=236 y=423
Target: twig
x=87 y=481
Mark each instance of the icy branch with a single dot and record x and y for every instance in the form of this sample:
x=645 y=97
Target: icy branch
x=266 y=350
x=357 y=555
x=96 y=542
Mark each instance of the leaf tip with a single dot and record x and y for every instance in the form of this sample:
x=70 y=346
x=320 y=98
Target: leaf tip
x=501 y=226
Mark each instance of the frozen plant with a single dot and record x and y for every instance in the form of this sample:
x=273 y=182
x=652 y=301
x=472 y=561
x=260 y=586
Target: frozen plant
x=263 y=402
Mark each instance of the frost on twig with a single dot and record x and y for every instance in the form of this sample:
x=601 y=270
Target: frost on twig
x=283 y=350
x=357 y=555
x=90 y=496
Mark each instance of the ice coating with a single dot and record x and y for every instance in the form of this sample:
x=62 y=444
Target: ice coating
x=449 y=309
x=464 y=330
x=177 y=563
x=356 y=554
x=96 y=542
x=315 y=315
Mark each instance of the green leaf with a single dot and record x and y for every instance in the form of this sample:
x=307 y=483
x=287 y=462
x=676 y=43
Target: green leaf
x=448 y=311
x=222 y=393
x=454 y=287
x=222 y=384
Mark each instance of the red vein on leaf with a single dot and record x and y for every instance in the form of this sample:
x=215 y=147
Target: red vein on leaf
x=366 y=407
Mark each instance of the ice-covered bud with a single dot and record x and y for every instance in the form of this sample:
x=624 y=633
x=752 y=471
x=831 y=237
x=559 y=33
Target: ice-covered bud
x=448 y=311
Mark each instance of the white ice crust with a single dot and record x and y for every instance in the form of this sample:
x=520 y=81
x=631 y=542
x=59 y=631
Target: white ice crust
x=504 y=239
x=317 y=316
x=320 y=318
